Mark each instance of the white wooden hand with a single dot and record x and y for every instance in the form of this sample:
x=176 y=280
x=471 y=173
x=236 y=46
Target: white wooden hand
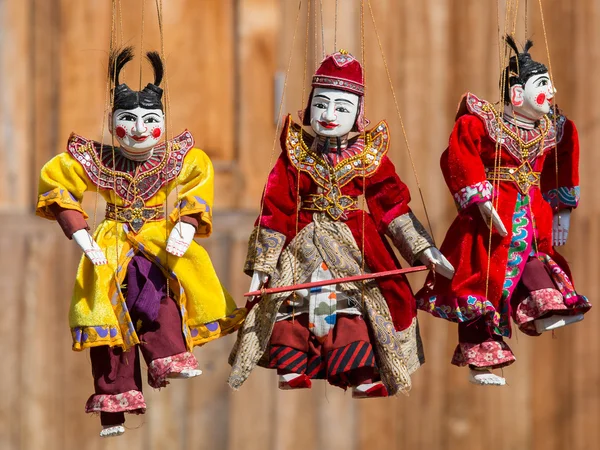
x=259 y=278
x=91 y=249
x=180 y=238
x=560 y=227
x=434 y=259
x=487 y=210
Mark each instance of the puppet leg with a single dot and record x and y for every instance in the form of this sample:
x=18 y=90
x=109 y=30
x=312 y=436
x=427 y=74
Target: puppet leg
x=538 y=305
x=482 y=351
x=291 y=354
x=163 y=347
x=350 y=358
x=118 y=387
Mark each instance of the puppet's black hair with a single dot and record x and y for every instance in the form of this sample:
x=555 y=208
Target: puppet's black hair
x=520 y=67
x=157 y=65
x=116 y=62
x=125 y=98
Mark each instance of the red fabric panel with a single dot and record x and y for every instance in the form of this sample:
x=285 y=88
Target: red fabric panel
x=461 y=162
x=69 y=220
x=567 y=155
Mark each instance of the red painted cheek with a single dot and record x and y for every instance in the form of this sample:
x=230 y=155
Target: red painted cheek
x=541 y=99
x=120 y=132
x=156 y=133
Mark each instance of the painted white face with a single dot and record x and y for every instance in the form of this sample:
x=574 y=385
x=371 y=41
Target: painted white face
x=139 y=129
x=333 y=112
x=534 y=99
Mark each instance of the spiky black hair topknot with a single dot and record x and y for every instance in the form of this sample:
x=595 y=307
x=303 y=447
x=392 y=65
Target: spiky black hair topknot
x=126 y=98
x=520 y=67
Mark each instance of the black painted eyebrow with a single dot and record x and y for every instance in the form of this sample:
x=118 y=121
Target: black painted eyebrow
x=344 y=100
x=151 y=114
x=323 y=96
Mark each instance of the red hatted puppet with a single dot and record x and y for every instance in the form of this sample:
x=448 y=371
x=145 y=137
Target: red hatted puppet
x=503 y=170
x=312 y=228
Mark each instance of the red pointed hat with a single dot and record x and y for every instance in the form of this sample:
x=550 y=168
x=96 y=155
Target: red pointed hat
x=340 y=71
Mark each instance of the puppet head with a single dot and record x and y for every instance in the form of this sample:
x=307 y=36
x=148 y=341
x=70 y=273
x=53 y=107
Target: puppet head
x=137 y=120
x=527 y=84
x=335 y=104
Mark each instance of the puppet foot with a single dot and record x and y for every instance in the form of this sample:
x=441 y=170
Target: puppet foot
x=485 y=378
x=294 y=381
x=185 y=373
x=554 y=322
x=369 y=390
x=112 y=430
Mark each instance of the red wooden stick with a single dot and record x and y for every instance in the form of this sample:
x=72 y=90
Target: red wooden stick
x=365 y=276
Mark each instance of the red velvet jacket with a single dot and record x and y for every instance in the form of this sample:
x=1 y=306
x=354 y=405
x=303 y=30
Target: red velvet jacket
x=294 y=179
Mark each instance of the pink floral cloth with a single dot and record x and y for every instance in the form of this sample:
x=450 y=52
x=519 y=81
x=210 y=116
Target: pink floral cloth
x=489 y=354
x=131 y=402
x=538 y=303
x=476 y=193
x=160 y=368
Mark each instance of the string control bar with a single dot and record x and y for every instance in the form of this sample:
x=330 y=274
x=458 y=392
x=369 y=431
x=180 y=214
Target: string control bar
x=314 y=284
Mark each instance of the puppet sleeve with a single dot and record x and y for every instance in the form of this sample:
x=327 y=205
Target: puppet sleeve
x=195 y=193
x=560 y=174
x=60 y=191
x=462 y=166
x=277 y=219
x=388 y=198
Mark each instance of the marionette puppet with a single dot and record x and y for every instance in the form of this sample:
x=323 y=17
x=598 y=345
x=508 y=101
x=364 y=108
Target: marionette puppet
x=136 y=289
x=517 y=171
x=311 y=228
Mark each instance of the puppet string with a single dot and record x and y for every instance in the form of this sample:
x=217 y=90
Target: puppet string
x=554 y=116
x=294 y=267
x=405 y=135
x=142 y=43
x=277 y=126
x=364 y=126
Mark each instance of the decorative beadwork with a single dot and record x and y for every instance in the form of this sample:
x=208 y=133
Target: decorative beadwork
x=371 y=151
x=332 y=202
x=333 y=82
x=136 y=215
x=523 y=145
x=108 y=169
x=523 y=176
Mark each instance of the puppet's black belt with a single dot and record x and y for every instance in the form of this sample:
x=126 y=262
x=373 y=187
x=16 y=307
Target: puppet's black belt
x=136 y=214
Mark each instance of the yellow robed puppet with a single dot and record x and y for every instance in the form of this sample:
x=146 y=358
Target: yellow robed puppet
x=143 y=281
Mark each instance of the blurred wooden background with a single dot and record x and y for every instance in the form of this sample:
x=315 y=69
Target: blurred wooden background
x=223 y=57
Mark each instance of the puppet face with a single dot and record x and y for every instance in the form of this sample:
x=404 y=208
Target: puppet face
x=534 y=99
x=138 y=129
x=333 y=112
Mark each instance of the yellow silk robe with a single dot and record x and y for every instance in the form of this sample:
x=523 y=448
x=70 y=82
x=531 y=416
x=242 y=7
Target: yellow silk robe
x=98 y=313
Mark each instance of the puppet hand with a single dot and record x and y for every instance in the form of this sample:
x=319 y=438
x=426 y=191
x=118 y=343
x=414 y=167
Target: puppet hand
x=89 y=247
x=560 y=227
x=434 y=259
x=180 y=238
x=259 y=278
x=487 y=210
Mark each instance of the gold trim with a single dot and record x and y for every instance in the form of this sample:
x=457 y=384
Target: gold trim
x=523 y=176
x=136 y=214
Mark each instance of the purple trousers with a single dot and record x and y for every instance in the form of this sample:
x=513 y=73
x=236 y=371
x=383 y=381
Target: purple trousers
x=156 y=317
x=117 y=372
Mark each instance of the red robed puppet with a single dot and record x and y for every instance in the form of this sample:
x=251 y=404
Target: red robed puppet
x=502 y=169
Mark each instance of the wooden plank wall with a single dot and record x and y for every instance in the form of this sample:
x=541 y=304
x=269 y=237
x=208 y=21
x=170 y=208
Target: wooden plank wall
x=222 y=59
